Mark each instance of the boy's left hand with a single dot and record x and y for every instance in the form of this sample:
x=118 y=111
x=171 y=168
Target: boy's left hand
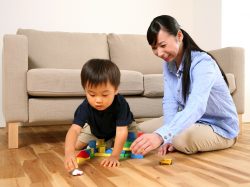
x=111 y=161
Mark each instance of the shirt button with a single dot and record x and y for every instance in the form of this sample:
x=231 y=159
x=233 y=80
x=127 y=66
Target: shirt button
x=165 y=137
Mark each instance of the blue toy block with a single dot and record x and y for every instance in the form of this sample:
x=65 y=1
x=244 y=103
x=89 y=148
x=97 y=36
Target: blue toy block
x=137 y=156
x=109 y=151
x=92 y=144
x=131 y=136
x=88 y=151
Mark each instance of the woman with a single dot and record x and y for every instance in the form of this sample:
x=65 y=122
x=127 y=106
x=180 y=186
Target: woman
x=199 y=113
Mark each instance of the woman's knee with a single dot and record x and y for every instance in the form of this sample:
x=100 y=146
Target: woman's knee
x=184 y=144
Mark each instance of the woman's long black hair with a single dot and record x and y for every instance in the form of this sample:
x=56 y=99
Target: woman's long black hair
x=170 y=25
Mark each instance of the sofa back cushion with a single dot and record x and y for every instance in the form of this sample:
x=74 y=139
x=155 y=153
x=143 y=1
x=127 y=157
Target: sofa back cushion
x=62 y=49
x=132 y=52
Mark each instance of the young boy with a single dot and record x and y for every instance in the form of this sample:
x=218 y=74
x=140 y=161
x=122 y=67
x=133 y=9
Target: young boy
x=104 y=111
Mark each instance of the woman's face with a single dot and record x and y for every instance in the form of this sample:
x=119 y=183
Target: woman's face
x=168 y=47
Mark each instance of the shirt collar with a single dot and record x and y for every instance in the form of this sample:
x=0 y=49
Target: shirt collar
x=172 y=66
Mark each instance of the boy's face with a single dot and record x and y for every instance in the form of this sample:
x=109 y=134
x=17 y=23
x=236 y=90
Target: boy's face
x=101 y=96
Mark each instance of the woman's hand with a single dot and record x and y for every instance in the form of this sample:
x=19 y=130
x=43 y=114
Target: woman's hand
x=111 y=161
x=145 y=143
x=164 y=149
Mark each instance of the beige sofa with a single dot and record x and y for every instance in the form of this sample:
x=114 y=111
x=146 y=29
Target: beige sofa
x=41 y=75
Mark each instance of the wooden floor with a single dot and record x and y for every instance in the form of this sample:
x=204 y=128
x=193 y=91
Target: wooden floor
x=39 y=162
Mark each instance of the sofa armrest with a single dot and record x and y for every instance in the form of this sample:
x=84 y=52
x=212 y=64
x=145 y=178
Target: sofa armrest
x=232 y=60
x=15 y=67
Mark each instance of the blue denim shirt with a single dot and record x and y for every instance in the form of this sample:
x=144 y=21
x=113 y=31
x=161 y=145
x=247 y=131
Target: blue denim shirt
x=208 y=102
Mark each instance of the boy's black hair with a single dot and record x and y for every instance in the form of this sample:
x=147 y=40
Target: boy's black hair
x=170 y=25
x=100 y=71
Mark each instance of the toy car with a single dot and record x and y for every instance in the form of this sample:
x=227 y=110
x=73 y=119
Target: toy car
x=166 y=161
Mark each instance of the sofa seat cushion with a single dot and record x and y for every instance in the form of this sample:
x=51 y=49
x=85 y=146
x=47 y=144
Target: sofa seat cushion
x=49 y=111
x=66 y=82
x=54 y=82
x=153 y=85
x=131 y=83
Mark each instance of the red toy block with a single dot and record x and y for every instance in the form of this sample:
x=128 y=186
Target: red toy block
x=139 y=133
x=83 y=154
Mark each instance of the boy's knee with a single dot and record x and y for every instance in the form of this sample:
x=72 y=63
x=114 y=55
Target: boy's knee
x=80 y=145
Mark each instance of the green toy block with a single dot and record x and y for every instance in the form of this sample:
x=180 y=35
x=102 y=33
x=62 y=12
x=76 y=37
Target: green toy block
x=127 y=144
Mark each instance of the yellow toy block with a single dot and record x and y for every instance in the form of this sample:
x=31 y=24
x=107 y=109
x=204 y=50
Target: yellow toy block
x=102 y=154
x=81 y=160
x=101 y=149
x=126 y=149
x=166 y=161
x=100 y=142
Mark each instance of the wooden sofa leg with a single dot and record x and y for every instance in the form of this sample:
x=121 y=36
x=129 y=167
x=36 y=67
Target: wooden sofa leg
x=13 y=135
x=240 y=123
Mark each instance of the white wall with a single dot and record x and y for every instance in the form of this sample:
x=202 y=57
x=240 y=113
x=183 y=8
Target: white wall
x=117 y=16
x=235 y=32
x=207 y=23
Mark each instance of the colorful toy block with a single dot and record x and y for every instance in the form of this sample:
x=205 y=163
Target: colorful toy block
x=81 y=160
x=139 y=133
x=102 y=154
x=126 y=149
x=100 y=142
x=131 y=136
x=92 y=152
x=82 y=156
x=127 y=144
x=166 y=161
x=125 y=155
x=101 y=149
x=92 y=144
x=98 y=148
x=137 y=156
x=109 y=151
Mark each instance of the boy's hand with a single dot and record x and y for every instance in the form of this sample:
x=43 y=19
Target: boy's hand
x=70 y=162
x=120 y=138
x=70 y=142
x=111 y=161
x=164 y=149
